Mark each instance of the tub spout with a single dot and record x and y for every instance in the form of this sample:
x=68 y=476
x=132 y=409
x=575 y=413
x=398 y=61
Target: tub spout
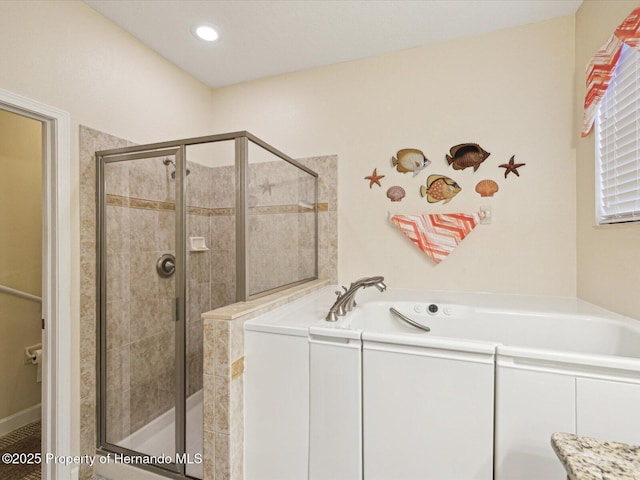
x=346 y=300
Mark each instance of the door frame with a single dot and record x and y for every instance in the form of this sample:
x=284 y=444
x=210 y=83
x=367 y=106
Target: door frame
x=56 y=279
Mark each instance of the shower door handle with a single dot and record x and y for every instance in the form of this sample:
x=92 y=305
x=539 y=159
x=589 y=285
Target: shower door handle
x=166 y=265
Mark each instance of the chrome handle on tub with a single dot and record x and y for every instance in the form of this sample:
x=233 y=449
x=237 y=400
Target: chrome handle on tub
x=406 y=319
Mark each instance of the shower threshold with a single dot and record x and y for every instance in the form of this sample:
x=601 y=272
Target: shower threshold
x=158 y=436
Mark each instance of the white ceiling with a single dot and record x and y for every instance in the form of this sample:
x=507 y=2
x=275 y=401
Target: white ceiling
x=261 y=38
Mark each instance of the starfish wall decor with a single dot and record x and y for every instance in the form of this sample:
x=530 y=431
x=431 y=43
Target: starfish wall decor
x=511 y=166
x=374 y=178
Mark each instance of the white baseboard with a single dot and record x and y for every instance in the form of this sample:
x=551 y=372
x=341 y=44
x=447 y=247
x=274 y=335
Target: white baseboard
x=20 y=419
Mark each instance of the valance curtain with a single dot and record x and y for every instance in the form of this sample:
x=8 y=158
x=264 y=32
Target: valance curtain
x=602 y=65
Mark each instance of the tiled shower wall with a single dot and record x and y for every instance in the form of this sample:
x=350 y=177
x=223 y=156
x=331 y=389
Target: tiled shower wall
x=90 y=142
x=281 y=236
x=210 y=274
x=140 y=328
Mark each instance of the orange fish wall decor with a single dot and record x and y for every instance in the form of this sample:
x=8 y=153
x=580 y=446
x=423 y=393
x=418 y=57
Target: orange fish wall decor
x=440 y=188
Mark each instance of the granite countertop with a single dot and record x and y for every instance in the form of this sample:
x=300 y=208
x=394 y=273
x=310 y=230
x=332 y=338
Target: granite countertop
x=587 y=458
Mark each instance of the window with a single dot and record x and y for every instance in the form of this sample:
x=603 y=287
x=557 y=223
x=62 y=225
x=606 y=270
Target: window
x=618 y=144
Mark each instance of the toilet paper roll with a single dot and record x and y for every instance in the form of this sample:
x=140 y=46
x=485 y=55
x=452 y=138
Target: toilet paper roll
x=37 y=360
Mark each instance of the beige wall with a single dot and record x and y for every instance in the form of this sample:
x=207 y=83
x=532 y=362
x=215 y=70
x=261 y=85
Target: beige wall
x=21 y=258
x=511 y=91
x=608 y=267
x=65 y=54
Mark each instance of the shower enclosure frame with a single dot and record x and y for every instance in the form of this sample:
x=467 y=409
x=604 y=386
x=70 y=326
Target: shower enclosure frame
x=177 y=148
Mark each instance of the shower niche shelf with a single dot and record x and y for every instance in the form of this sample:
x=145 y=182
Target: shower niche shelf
x=197 y=244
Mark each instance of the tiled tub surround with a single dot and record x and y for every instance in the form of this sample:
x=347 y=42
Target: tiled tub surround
x=134 y=336
x=223 y=379
x=587 y=458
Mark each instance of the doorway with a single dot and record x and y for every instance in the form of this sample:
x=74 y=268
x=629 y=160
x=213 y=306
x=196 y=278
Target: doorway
x=20 y=292
x=53 y=313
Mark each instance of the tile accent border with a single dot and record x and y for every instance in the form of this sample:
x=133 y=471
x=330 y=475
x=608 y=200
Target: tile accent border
x=237 y=368
x=144 y=204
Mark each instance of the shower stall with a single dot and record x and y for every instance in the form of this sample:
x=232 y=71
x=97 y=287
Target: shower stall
x=185 y=227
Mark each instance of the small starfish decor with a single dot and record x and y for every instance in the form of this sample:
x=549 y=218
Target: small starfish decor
x=512 y=167
x=374 y=178
x=266 y=186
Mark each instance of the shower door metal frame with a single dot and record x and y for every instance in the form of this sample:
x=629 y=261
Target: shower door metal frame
x=174 y=470
x=178 y=148
x=242 y=215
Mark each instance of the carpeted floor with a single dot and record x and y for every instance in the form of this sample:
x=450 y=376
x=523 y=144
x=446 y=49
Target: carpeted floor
x=24 y=440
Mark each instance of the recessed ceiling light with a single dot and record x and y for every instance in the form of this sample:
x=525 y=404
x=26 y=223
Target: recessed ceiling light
x=206 y=32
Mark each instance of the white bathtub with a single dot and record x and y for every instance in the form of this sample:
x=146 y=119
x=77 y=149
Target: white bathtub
x=477 y=397
x=581 y=333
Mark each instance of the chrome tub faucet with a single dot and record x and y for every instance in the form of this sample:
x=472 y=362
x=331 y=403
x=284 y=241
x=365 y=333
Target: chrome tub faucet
x=347 y=300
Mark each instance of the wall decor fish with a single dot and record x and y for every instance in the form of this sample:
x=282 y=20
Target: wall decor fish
x=467 y=155
x=410 y=160
x=439 y=188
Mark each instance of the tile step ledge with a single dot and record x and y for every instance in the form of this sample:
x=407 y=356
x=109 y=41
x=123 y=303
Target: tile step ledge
x=261 y=305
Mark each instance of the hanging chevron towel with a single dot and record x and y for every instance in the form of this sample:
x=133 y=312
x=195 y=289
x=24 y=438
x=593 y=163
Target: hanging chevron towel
x=437 y=235
x=601 y=67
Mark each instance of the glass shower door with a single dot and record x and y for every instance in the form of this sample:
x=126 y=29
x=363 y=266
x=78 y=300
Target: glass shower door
x=142 y=319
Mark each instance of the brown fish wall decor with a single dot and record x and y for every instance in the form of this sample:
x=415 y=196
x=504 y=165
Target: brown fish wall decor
x=440 y=188
x=467 y=155
x=410 y=160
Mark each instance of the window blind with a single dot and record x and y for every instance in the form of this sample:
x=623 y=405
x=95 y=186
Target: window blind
x=618 y=143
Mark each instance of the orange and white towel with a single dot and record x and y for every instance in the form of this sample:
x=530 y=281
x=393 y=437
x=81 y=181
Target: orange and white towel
x=601 y=67
x=437 y=235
